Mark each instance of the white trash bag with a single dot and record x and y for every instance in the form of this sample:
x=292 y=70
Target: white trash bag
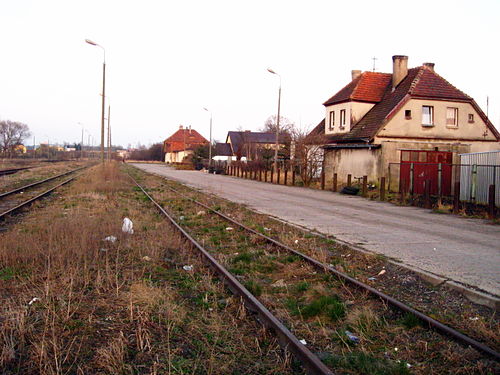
x=128 y=226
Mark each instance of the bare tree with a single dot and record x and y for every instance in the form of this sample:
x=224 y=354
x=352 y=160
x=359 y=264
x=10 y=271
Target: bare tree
x=307 y=154
x=12 y=133
x=287 y=126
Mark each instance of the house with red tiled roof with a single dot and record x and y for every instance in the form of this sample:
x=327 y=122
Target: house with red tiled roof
x=180 y=145
x=407 y=116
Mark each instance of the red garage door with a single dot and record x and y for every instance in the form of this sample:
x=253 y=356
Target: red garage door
x=426 y=166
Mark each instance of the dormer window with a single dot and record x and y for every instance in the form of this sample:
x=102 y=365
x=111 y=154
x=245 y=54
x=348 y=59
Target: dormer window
x=342 y=118
x=331 y=122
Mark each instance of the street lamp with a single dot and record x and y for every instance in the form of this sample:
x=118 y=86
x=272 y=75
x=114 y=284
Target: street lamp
x=103 y=94
x=277 y=122
x=210 y=145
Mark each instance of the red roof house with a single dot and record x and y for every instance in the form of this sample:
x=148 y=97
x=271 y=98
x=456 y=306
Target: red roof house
x=380 y=118
x=181 y=144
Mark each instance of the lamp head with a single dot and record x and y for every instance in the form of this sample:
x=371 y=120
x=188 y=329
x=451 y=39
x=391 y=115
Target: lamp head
x=271 y=71
x=206 y=109
x=90 y=42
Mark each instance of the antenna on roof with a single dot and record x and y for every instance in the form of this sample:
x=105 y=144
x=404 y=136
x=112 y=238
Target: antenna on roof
x=374 y=59
x=487 y=105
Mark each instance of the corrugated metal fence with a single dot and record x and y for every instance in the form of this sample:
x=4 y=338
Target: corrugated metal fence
x=477 y=172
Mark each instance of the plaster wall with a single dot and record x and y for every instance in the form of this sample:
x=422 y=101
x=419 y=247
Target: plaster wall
x=400 y=126
x=354 y=112
x=356 y=162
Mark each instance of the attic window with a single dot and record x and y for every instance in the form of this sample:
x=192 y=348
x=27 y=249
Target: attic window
x=408 y=114
x=332 y=120
x=471 y=118
x=342 y=118
x=452 y=116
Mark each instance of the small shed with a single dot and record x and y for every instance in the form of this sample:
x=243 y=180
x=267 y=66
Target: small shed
x=478 y=171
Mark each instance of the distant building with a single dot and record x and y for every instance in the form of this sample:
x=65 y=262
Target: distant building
x=410 y=116
x=181 y=144
x=248 y=145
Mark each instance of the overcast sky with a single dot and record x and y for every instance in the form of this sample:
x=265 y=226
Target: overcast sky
x=166 y=60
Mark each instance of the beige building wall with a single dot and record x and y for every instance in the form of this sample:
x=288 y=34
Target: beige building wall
x=177 y=157
x=354 y=112
x=400 y=126
x=356 y=162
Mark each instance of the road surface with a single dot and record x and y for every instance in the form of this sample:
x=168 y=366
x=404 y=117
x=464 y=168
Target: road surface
x=459 y=249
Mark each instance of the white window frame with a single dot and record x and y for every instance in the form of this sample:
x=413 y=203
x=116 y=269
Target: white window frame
x=331 y=120
x=452 y=121
x=427 y=118
x=342 y=118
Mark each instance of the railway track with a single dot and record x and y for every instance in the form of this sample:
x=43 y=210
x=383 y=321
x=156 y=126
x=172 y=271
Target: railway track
x=225 y=258
x=13 y=200
x=5 y=172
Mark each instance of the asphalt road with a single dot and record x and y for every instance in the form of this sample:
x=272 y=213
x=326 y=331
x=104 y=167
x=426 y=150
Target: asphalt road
x=463 y=250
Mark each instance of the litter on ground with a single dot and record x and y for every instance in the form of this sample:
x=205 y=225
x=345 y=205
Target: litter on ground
x=187 y=268
x=128 y=226
x=110 y=239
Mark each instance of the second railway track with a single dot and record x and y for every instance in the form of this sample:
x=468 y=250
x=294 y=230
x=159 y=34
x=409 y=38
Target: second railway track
x=14 y=200
x=299 y=290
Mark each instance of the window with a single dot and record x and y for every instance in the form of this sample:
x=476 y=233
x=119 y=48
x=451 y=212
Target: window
x=332 y=120
x=427 y=115
x=408 y=114
x=452 y=116
x=342 y=118
x=471 y=118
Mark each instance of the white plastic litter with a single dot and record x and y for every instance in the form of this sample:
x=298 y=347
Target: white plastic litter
x=188 y=268
x=296 y=241
x=34 y=300
x=229 y=228
x=128 y=226
x=200 y=213
x=110 y=239
x=474 y=318
x=372 y=278
x=352 y=337
x=303 y=342
x=381 y=273
x=268 y=229
x=146 y=258
x=181 y=218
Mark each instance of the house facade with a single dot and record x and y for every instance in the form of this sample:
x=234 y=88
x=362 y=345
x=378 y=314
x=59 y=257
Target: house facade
x=410 y=116
x=180 y=145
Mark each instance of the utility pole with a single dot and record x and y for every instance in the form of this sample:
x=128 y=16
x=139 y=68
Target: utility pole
x=109 y=134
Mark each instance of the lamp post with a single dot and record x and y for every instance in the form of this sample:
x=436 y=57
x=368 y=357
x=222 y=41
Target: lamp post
x=103 y=94
x=277 y=123
x=210 y=145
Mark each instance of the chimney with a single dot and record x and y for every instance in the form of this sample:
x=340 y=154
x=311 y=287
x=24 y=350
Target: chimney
x=429 y=66
x=355 y=74
x=181 y=127
x=399 y=69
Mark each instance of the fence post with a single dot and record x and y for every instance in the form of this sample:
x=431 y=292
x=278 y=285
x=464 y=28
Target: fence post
x=411 y=179
x=364 y=186
x=491 y=202
x=473 y=183
x=260 y=174
x=382 y=188
x=278 y=173
x=272 y=175
x=334 y=184
x=286 y=177
x=427 y=194
x=323 y=179
x=349 y=180
x=293 y=177
x=456 y=198
x=440 y=183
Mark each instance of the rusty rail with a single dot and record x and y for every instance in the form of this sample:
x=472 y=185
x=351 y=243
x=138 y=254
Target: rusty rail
x=433 y=323
x=287 y=340
x=2 y=195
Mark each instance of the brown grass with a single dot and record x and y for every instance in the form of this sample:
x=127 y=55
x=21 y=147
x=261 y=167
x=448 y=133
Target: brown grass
x=123 y=307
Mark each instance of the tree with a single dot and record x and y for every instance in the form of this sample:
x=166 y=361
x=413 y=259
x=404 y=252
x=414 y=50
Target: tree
x=12 y=133
x=308 y=154
x=287 y=126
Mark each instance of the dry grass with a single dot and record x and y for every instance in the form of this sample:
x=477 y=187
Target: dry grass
x=116 y=308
